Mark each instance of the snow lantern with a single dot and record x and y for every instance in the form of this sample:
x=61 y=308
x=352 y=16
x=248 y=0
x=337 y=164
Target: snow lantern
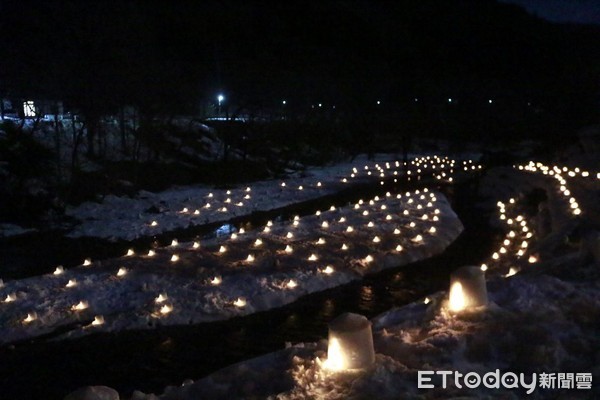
x=467 y=288
x=350 y=343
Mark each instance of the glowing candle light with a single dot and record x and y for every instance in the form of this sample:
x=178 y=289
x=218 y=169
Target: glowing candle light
x=321 y=241
x=222 y=249
x=196 y=212
x=313 y=257
x=267 y=229
x=10 y=298
x=166 y=309
x=184 y=210
x=242 y=231
x=296 y=223
x=467 y=289
x=426 y=300
x=32 y=316
x=344 y=246
x=258 y=242
x=58 y=271
x=319 y=184
x=405 y=212
x=154 y=223
x=151 y=253
x=370 y=224
x=122 y=271
x=289 y=235
x=174 y=243
x=87 y=262
x=350 y=344
x=368 y=258
x=130 y=253
x=196 y=245
x=365 y=213
x=376 y=239
x=216 y=281
x=239 y=302
x=349 y=229
x=412 y=224
x=250 y=258
x=532 y=259
x=288 y=249
x=71 y=283
x=98 y=320
x=432 y=229
x=512 y=271
x=291 y=284
x=161 y=298
x=82 y=305
x=325 y=224
x=388 y=217
x=399 y=248
x=174 y=258
x=328 y=270
x=484 y=267
x=495 y=256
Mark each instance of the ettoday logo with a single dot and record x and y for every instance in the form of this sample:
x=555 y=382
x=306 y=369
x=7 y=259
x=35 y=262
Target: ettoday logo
x=507 y=380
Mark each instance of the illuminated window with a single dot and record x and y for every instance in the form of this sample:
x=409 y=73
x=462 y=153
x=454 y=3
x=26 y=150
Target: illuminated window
x=29 y=108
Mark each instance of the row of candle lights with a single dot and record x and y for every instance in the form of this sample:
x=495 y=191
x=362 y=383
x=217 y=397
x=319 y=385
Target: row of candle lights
x=359 y=209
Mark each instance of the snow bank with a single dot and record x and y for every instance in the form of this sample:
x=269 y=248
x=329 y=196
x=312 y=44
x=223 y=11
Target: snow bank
x=233 y=275
x=152 y=213
x=535 y=323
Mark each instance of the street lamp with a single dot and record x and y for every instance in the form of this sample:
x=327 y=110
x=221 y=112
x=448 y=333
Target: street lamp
x=220 y=99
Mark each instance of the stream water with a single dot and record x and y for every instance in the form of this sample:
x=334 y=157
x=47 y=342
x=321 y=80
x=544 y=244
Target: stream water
x=151 y=360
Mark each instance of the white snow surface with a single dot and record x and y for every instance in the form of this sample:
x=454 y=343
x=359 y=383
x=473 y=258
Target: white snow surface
x=125 y=293
x=149 y=213
x=514 y=333
x=542 y=317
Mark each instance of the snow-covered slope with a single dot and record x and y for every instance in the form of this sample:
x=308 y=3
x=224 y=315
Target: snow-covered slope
x=234 y=275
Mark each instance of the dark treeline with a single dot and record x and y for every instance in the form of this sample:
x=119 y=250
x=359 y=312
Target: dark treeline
x=169 y=58
x=166 y=57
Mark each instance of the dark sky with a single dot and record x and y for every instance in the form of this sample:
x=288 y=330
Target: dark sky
x=579 y=11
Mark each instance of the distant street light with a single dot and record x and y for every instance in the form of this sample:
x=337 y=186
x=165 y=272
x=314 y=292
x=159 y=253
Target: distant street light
x=220 y=99
x=490 y=101
x=283 y=102
x=378 y=102
x=449 y=100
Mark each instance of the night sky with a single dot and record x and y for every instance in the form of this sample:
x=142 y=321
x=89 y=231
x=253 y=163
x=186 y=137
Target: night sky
x=577 y=11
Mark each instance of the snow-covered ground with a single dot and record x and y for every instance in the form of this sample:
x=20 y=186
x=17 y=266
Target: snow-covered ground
x=542 y=318
x=237 y=274
x=152 y=213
